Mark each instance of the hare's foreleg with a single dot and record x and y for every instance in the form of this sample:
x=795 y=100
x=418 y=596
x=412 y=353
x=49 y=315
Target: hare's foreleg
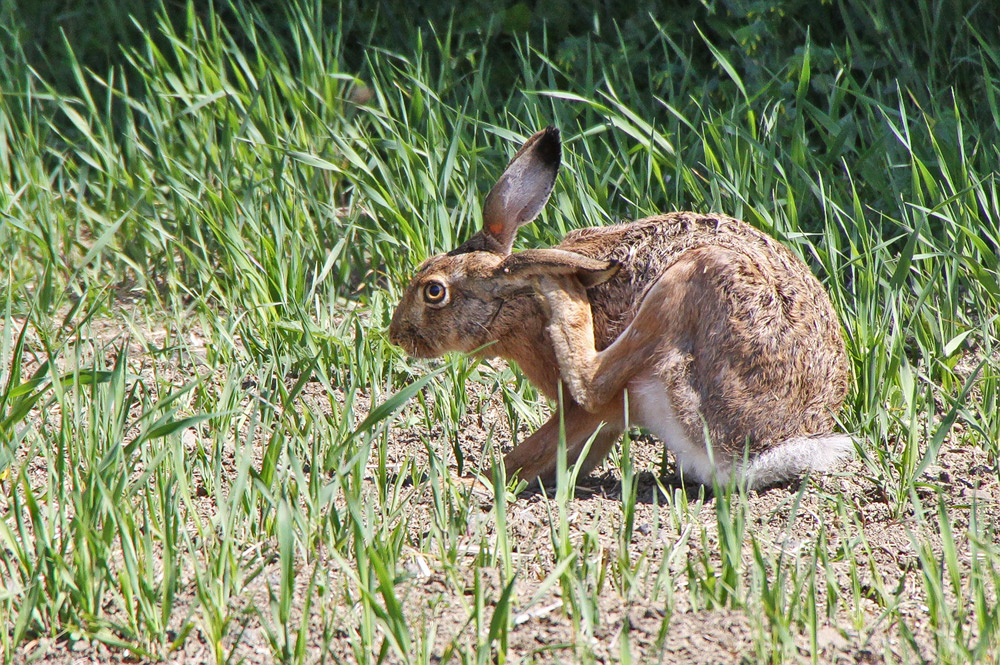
x=536 y=456
x=598 y=378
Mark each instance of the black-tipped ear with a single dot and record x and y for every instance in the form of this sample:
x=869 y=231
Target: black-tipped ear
x=522 y=190
x=530 y=262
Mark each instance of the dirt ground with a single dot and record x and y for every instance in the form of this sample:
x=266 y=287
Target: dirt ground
x=849 y=509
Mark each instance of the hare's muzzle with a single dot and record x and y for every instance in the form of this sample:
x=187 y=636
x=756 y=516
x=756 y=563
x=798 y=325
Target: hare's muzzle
x=396 y=327
x=405 y=335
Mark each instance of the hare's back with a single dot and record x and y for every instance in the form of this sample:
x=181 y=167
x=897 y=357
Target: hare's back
x=756 y=346
x=646 y=248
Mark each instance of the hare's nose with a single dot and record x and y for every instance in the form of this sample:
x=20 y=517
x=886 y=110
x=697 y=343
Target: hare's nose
x=397 y=330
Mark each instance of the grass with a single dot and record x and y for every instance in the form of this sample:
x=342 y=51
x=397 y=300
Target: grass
x=202 y=420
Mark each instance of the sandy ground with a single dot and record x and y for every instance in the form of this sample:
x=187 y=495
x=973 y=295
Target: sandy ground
x=658 y=616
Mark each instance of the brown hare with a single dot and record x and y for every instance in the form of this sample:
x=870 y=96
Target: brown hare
x=727 y=345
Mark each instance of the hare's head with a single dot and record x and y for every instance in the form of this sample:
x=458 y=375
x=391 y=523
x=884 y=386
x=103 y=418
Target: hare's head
x=473 y=295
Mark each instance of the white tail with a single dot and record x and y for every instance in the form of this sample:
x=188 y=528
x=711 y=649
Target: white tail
x=794 y=457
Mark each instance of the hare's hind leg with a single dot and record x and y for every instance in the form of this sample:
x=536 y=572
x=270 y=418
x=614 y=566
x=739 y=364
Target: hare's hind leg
x=535 y=457
x=595 y=378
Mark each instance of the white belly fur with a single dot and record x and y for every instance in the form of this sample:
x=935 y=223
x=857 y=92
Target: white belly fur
x=650 y=407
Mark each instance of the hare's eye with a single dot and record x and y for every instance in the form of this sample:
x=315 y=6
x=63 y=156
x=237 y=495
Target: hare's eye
x=435 y=293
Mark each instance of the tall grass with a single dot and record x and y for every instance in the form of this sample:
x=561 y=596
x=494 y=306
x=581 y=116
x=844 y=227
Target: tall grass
x=243 y=196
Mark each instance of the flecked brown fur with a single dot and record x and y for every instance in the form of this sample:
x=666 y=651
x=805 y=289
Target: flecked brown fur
x=736 y=329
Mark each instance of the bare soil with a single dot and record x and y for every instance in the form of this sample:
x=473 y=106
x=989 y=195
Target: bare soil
x=849 y=511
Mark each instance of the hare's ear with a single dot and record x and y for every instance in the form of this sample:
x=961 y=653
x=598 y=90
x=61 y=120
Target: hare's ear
x=533 y=262
x=522 y=190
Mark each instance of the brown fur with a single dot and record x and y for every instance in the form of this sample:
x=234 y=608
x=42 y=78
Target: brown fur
x=739 y=332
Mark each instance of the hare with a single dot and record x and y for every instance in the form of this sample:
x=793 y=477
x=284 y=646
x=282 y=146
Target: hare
x=728 y=347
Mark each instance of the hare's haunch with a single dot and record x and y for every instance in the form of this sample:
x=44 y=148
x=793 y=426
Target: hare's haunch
x=728 y=346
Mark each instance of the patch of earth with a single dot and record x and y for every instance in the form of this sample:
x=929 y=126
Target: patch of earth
x=850 y=514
